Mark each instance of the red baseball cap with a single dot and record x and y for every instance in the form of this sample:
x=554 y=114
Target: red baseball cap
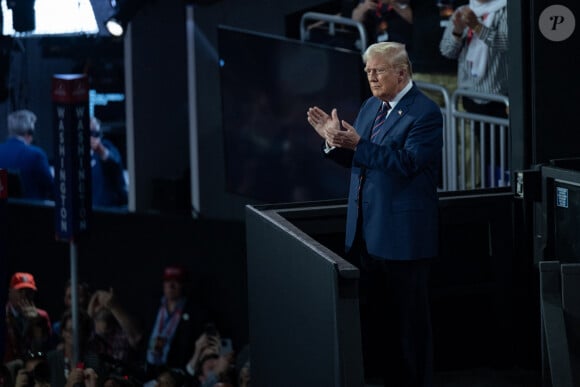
x=177 y=273
x=22 y=280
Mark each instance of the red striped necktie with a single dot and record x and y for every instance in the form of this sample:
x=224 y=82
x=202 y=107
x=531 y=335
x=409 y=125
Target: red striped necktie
x=380 y=120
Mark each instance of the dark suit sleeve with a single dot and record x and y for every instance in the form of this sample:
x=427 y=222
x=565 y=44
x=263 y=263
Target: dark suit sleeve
x=112 y=169
x=113 y=162
x=43 y=176
x=340 y=156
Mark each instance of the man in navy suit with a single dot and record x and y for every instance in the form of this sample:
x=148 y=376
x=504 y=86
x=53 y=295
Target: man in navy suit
x=394 y=151
x=18 y=155
x=108 y=181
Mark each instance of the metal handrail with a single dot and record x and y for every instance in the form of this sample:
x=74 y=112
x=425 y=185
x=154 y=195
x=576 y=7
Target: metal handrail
x=453 y=181
x=448 y=154
x=475 y=95
x=503 y=123
x=332 y=21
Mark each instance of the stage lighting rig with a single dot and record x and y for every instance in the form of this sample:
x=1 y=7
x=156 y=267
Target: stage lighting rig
x=126 y=9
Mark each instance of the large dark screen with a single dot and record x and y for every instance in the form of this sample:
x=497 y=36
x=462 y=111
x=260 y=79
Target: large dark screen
x=267 y=85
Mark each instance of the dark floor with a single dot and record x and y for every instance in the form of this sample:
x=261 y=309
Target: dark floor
x=482 y=377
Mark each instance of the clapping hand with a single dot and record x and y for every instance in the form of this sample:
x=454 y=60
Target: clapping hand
x=336 y=132
x=458 y=20
x=322 y=122
x=469 y=17
x=359 y=12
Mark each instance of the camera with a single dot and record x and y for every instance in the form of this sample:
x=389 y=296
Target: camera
x=40 y=373
x=211 y=330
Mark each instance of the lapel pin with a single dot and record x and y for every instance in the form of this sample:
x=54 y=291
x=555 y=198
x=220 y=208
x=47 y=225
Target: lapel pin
x=400 y=112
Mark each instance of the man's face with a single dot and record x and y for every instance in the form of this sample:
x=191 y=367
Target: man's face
x=17 y=297
x=172 y=289
x=384 y=80
x=100 y=327
x=82 y=297
x=165 y=380
x=209 y=366
x=67 y=332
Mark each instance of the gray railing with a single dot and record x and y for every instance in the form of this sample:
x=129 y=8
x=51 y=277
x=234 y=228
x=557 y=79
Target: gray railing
x=469 y=157
x=332 y=21
x=472 y=157
x=448 y=153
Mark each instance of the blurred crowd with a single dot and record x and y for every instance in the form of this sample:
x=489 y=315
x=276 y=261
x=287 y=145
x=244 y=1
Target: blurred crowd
x=99 y=343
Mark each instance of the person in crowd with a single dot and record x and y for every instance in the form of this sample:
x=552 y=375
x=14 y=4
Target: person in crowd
x=477 y=37
x=83 y=294
x=244 y=376
x=60 y=360
x=211 y=363
x=171 y=377
x=79 y=376
x=116 y=333
x=384 y=20
x=28 y=328
x=108 y=180
x=211 y=370
x=33 y=370
x=180 y=319
x=122 y=381
x=243 y=368
x=394 y=152
x=429 y=21
x=29 y=162
x=6 y=378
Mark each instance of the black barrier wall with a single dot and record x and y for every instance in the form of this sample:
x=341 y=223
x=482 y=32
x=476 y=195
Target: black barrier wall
x=303 y=302
x=484 y=308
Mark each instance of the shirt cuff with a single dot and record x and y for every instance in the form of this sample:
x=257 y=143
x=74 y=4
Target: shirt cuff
x=327 y=148
x=190 y=369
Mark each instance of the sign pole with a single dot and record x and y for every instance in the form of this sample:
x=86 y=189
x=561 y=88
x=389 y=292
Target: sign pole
x=75 y=302
x=73 y=204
